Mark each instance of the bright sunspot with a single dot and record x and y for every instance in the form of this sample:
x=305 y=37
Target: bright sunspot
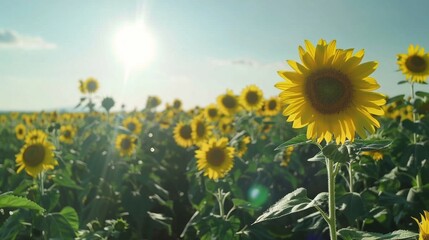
x=135 y=45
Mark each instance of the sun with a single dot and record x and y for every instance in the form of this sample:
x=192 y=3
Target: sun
x=134 y=45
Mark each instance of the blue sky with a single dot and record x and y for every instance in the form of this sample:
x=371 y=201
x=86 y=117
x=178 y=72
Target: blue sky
x=202 y=47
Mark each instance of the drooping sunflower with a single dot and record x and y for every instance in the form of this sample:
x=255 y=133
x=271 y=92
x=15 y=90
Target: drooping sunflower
x=200 y=130
x=211 y=112
x=215 y=157
x=126 y=144
x=35 y=157
x=423 y=226
x=91 y=85
x=272 y=106
x=228 y=103
x=20 y=131
x=286 y=156
x=251 y=98
x=133 y=124
x=415 y=64
x=376 y=155
x=35 y=135
x=241 y=146
x=183 y=134
x=67 y=134
x=331 y=93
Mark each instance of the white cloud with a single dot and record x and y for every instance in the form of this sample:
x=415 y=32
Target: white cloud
x=245 y=62
x=12 y=39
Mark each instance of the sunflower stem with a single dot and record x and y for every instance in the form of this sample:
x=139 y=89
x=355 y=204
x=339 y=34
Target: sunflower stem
x=331 y=193
x=350 y=177
x=419 y=182
x=42 y=180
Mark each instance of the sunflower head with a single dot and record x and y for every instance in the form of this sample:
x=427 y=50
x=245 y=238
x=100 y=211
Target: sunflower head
x=211 y=112
x=36 y=156
x=153 y=102
x=177 y=104
x=132 y=124
x=271 y=107
x=67 y=134
x=125 y=144
x=331 y=93
x=35 y=135
x=415 y=64
x=286 y=156
x=252 y=98
x=215 y=158
x=82 y=87
x=183 y=134
x=423 y=226
x=91 y=85
x=228 y=103
x=20 y=131
x=200 y=130
x=376 y=155
x=241 y=146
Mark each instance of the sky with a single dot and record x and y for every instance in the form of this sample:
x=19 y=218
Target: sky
x=202 y=48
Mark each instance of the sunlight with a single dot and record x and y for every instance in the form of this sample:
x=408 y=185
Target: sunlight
x=135 y=45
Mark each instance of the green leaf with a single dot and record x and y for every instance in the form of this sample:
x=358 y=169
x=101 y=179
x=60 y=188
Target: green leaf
x=422 y=94
x=240 y=203
x=352 y=206
x=351 y=234
x=337 y=154
x=18 y=202
x=293 y=202
x=65 y=181
x=57 y=226
x=402 y=82
x=395 y=98
x=298 y=140
x=162 y=219
x=415 y=127
x=71 y=216
x=371 y=144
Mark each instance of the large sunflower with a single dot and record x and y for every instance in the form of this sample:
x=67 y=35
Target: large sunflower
x=252 y=98
x=331 y=93
x=423 y=226
x=215 y=158
x=133 y=124
x=67 y=134
x=183 y=134
x=126 y=144
x=228 y=103
x=415 y=64
x=35 y=157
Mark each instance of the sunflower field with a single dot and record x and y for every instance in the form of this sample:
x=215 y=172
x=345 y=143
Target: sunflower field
x=328 y=158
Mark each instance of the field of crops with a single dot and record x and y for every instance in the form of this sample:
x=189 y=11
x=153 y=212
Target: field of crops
x=329 y=157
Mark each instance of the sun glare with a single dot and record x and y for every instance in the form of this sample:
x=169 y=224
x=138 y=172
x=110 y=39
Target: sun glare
x=135 y=45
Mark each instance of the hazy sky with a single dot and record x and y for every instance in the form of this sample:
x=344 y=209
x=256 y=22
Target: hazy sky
x=202 y=47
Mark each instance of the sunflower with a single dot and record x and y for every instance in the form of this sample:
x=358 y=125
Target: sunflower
x=82 y=88
x=228 y=103
x=252 y=98
x=376 y=155
x=226 y=125
x=35 y=157
x=183 y=134
x=415 y=64
x=126 y=144
x=177 y=104
x=67 y=134
x=200 y=131
x=35 y=135
x=20 y=131
x=133 y=124
x=423 y=226
x=211 y=112
x=91 y=85
x=215 y=158
x=286 y=156
x=241 y=146
x=331 y=93
x=153 y=102
x=272 y=106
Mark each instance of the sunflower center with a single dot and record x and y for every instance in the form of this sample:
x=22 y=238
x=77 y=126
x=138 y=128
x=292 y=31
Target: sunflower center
x=272 y=105
x=215 y=156
x=252 y=98
x=416 y=64
x=201 y=130
x=20 y=131
x=185 y=132
x=329 y=91
x=177 y=104
x=91 y=86
x=34 y=155
x=212 y=112
x=229 y=101
x=67 y=134
x=131 y=126
x=126 y=143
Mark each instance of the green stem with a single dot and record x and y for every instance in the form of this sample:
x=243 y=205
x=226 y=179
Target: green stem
x=331 y=191
x=351 y=177
x=419 y=183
